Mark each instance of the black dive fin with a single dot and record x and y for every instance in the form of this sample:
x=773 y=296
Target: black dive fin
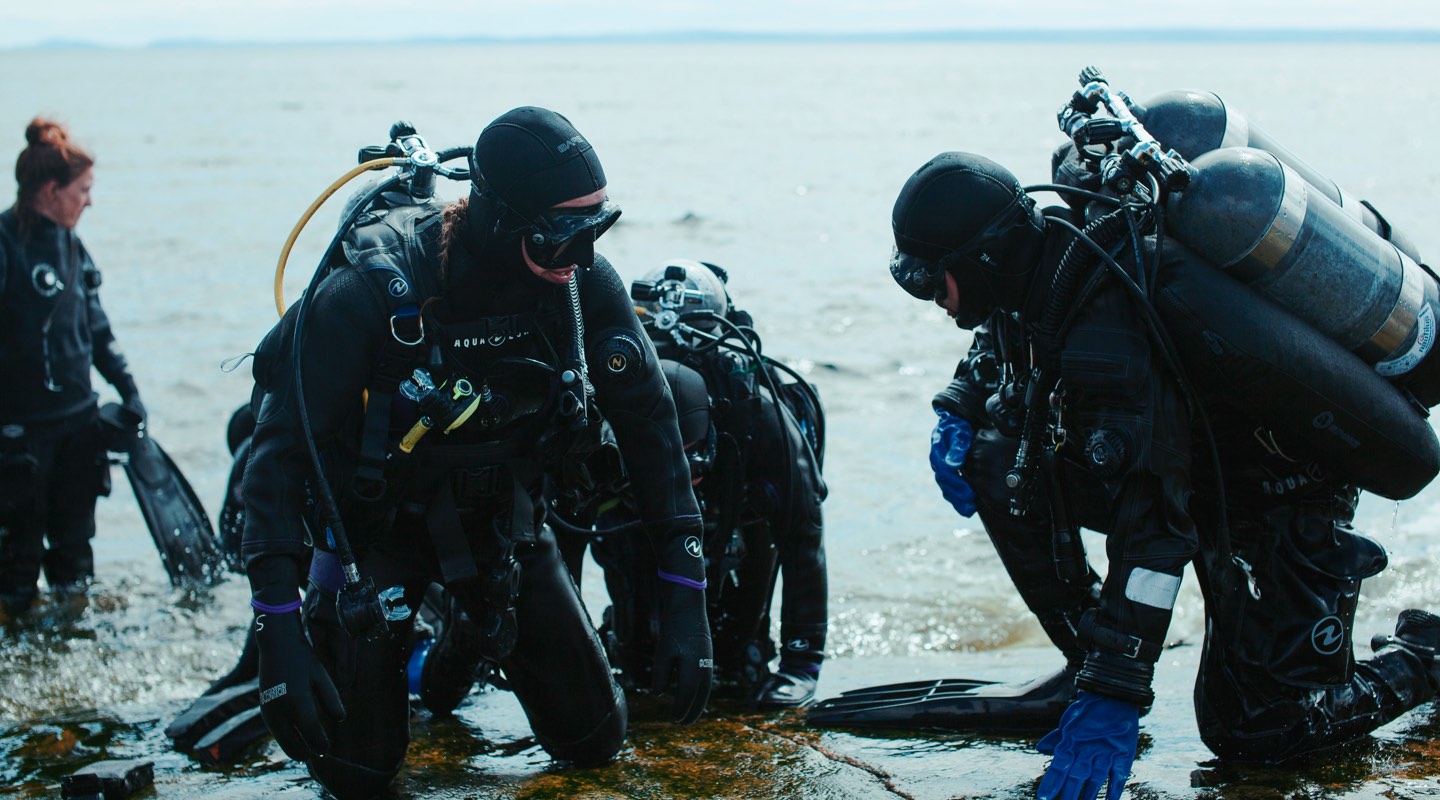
x=213 y=712
x=232 y=511
x=174 y=515
x=231 y=738
x=952 y=704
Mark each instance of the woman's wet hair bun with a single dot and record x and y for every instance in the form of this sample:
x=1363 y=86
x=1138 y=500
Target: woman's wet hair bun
x=44 y=131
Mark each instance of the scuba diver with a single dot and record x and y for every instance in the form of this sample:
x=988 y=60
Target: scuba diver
x=755 y=445
x=408 y=409
x=53 y=463
x=1141 y=370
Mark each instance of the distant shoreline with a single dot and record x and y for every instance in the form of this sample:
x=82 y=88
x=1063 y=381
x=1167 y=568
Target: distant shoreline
x=1122 y=36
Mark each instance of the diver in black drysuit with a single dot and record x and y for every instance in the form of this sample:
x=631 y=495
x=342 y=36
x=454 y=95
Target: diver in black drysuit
x=758 y=479
x=53 y=464
x=497 y=292
x=1129 y=460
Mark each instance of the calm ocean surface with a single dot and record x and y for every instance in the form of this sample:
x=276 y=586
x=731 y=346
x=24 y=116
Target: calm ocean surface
x=779 y=162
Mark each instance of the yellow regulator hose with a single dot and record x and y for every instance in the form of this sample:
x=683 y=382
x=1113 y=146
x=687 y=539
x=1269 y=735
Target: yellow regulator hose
x=379 y=163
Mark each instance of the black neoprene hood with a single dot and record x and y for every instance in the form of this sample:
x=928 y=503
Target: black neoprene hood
x=533 y=158
x=950 y=201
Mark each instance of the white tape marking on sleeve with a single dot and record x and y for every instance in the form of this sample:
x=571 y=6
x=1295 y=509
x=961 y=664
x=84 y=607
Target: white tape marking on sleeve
x=1151 y=588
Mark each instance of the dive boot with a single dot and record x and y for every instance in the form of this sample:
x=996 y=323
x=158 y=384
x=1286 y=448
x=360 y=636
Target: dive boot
x=953 y=704
x=1418 y=632
x=787 y=688
x=448 y=668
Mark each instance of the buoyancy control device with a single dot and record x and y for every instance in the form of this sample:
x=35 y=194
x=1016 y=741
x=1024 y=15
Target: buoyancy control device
x=364 y=612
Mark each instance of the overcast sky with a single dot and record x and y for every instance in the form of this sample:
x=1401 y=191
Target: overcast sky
x=139 y=22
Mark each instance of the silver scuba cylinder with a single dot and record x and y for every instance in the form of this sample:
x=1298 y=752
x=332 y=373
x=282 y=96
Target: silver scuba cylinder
x=1260 y=221
x=1196 y=122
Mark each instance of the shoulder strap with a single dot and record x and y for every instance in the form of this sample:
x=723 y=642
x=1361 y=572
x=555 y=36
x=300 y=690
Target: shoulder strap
x=394 y=249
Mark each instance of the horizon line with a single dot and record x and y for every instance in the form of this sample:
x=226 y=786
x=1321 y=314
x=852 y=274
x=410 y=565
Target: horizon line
x=1148 y=35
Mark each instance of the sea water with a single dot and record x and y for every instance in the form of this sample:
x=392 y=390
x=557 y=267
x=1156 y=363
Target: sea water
x=778 y=161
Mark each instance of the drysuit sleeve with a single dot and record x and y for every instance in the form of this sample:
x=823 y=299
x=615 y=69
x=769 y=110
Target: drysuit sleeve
x=633 y=395
x=789 y=484
x=1129 y=426
x=341 y=337
x=105 y=353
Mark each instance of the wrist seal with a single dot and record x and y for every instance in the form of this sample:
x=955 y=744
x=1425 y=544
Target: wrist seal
x=961 y=399
x=1118 y=665
x=1118 y=677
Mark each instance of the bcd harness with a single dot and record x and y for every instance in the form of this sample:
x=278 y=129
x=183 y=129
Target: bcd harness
x=385 y=246
x=1044 y=440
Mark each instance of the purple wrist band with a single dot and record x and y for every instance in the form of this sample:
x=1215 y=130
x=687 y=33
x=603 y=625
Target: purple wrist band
x=683 y=581
x=293 y=605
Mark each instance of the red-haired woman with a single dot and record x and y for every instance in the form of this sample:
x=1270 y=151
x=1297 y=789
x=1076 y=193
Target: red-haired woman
x=52 y=329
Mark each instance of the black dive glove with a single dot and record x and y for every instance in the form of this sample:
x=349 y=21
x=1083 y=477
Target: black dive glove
x=682 y=650
x=133 y=403
x=297 y=698
x=129 y=394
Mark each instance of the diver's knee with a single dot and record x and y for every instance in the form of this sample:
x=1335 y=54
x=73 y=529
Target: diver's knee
x=597 y=746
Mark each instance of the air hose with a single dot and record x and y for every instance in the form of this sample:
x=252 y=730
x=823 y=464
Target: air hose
x=1075 y=264
x=363 y=612
x=379 y=163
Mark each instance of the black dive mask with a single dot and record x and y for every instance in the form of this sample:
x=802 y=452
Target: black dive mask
x=922 y=278
x=559 y=237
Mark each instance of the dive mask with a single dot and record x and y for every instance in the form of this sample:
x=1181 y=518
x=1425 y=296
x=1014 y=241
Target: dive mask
x=558 y=237
x=921 y=277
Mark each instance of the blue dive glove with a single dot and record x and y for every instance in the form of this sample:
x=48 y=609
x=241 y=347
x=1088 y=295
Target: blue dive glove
x=1096 y=740
x=949 y=444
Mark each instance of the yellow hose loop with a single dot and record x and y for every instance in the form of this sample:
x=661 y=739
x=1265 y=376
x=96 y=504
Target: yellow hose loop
x=379 y=163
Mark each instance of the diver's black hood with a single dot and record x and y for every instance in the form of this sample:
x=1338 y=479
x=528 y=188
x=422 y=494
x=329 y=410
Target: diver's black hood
x=524 y=162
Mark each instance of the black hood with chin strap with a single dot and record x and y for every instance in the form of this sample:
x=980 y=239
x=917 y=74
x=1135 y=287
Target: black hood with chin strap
x=526 y=161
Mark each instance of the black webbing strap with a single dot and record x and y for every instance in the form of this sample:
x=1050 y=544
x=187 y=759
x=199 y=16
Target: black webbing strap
x=452 y=548
x=522 y=511
x=398 y=356
x=1113 y=641
x=370 y=471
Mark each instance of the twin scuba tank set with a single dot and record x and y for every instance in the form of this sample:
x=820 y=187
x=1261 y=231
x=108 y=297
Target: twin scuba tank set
x=446 y=404
x=1312 y=313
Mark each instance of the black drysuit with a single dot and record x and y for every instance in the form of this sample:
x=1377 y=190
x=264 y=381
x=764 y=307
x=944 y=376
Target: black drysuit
x=494 y=324
x=52 y=464
x=1131 y=461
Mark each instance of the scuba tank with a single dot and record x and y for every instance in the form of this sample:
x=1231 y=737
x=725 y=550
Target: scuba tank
x=1265 y=222
x=1304 y=387
x=1296 y=283
x=1196 y=122
x=1257 y=219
